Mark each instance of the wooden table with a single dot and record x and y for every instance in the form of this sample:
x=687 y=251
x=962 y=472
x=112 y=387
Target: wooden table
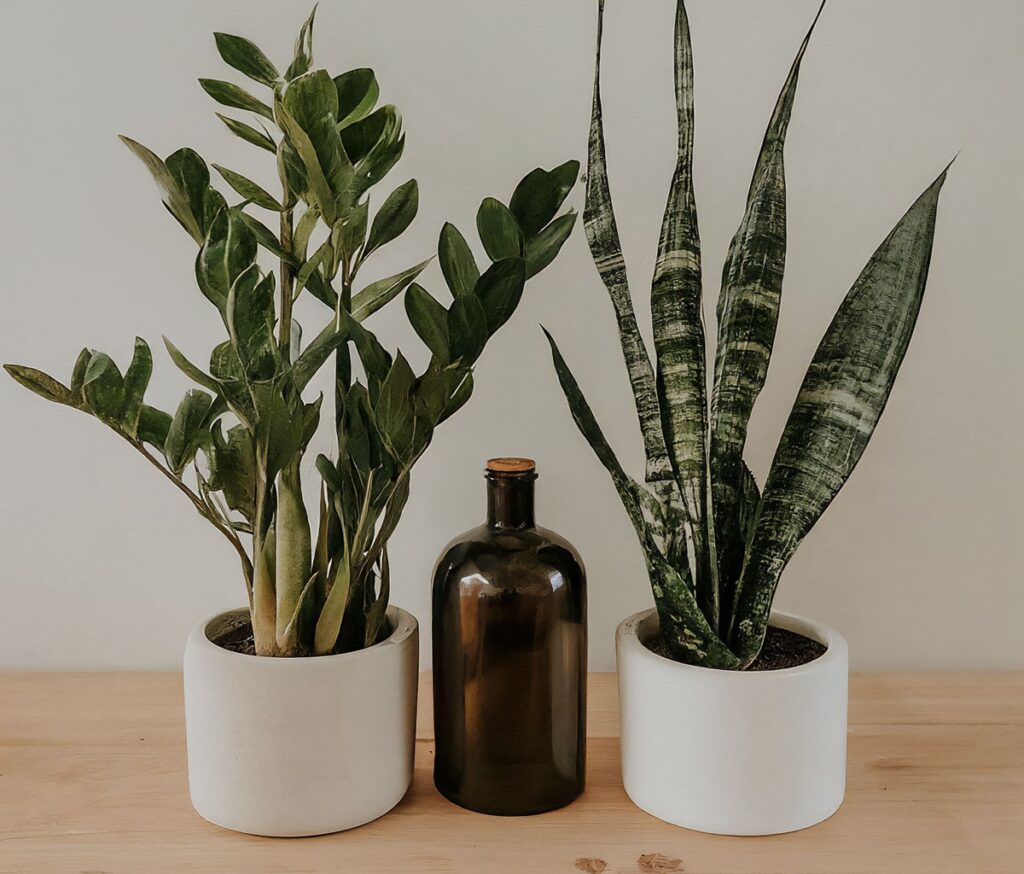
x=92 y=779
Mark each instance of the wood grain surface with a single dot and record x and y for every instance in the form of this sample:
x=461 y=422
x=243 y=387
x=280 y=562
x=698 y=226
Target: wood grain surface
x=92 y=779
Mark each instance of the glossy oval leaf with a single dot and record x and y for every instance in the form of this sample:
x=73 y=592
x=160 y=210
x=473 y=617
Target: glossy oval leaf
x=246 y=57
x=248 y=133
x=394 y=216
x=357 y=92
x=429 y=320
x=228 y=94
x=499 y=231
x=248 y=189
x=457 y=262
x=499 y=290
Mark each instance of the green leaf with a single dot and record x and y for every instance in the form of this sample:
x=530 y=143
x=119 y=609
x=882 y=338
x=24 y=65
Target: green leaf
x=229 y=249
x=248 y=133
x=104 y=389
x=678 y=322
x=500 y=289
x=192 y=177
x=227 y=94
x=467 y=329
x=316 y=354
x=357 y=93
x=303 y=53
x=350 y=230
x=313 y=146
x=499 y=231
x=748 y=312
x=136 y=381
x=543 y=248
x=176 y=200
x=323 y=253
x=429 y=320
x=538 y=196
x=78 y=376
x=312 y=101
x=153 y=427
x=266 y=237
x=457 y=262
x=839 y=404
x=42 y=384
x=186 y=432
x=393 y=410
x=250 y=320
x=394 y=216
x=377 y=294
x=233 y=469
x=375 y=359
x=248 y=189
x=360 y=137
x=458 y=399
x=328 y=624
x=246 y=57
x=603 y=236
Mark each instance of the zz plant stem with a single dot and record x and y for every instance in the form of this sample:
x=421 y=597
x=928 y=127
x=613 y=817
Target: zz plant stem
x=317 y=586
x=715 y=545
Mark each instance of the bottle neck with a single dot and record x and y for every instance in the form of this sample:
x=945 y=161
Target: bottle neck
x=510 y=502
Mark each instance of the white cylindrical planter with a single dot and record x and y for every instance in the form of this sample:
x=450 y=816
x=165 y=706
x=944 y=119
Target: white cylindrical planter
x=733 y=752
x=299 y=746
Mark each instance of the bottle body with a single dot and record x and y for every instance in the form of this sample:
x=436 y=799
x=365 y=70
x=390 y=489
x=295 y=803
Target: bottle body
x=510 y=662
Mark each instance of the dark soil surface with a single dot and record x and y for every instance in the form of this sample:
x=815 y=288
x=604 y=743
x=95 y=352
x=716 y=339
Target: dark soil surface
x=238 y=639
x=782 y=649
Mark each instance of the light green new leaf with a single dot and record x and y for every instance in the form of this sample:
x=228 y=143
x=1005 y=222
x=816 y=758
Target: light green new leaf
x=248 y=189
x=377 y=294
x=247 y=58
x=227 y=94
x=499 y=231
x=303 y=53
x=328 y=624
x=603 y=237
x=457 y=262
x=136 y=381
x=42 y=384
x=174 y=198
x=748 y=312
x=248 y=133
x=394 y=216
x=839 y=404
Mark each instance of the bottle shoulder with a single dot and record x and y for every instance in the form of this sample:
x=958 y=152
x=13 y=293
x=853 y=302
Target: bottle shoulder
x=484 y=545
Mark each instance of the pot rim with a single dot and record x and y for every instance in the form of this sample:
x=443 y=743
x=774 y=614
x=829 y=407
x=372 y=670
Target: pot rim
x=403 y=625
x=627 y=635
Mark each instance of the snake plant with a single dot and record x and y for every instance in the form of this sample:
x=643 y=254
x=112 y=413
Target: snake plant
x=715 y=544
x=322 y=587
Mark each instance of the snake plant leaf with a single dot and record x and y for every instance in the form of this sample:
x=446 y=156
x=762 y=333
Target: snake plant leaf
x=302 y=58
x=380 y=293
x=542 y=249
x=227 y=94
x=294 y=551
x=603 y=237
x=357 y=95
x=429 y=320
x=836 y=410
x=42 y=384
x=540 y=193
x=248 y=189
x=136 y=381
x=174 y=198
x=240 y=129
x=748 y=312
x=250 y=320
x=499 y=231
x=104 y=389
x=228 y=250
x=459 y=397
x=246 y=57
x=153 y=427
x=467 y=329
x=186 y=433
x=457 y=262
x=394 y=216
x=233 y=468
x=499 y=290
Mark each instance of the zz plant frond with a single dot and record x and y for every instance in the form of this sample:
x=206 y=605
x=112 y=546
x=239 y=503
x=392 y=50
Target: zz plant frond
x=715 y=545
x=313 y=587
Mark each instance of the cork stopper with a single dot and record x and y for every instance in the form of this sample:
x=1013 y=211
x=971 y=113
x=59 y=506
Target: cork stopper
x=511 y=467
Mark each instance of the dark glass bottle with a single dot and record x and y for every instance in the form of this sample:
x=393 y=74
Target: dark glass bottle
x=510 y=658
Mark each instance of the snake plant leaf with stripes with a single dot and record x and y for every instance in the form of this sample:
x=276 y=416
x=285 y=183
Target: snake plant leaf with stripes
x=714 y=546
x=236 y=450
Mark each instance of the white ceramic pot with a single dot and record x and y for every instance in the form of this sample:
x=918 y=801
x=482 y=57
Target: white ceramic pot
x=303 y=746
x=731 y=752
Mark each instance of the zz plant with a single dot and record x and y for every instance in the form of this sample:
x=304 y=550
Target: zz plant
x=321 y=587
x=715 y=544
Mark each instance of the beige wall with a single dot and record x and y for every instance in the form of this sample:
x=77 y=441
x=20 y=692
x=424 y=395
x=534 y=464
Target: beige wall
x=919 y=560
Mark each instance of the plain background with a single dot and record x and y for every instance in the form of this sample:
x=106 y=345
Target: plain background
x=918 y=562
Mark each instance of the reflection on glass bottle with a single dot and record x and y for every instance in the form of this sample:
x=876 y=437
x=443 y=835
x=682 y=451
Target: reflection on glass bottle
x=510 y=658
